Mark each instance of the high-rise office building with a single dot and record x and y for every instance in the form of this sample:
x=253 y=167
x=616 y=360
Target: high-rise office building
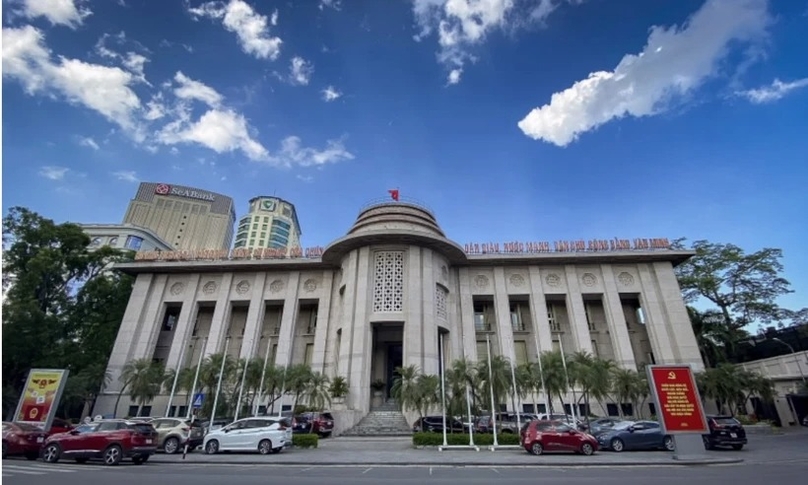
x=270 y=223
x=184 y=217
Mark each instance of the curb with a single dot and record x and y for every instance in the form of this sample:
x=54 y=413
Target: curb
x=443 y=464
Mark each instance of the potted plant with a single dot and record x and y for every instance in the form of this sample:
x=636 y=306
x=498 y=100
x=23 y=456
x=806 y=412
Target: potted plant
x=378 y=387
x=338 y=389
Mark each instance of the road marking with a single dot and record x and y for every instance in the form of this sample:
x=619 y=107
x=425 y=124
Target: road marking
x=303 y=470
x=42 y=467
x=369 y=469
x=26 y=472
x=495 y=471
x=430 y=470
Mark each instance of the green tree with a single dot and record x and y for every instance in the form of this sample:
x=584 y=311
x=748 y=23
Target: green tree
x=744 y=287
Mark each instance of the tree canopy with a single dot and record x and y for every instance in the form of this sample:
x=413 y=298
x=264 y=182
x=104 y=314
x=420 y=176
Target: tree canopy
x=62 y=306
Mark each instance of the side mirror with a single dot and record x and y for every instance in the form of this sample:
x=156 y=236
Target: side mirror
x=73 y=432
x=631 y=429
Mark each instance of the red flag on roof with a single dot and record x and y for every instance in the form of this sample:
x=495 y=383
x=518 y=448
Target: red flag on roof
x=394 y=194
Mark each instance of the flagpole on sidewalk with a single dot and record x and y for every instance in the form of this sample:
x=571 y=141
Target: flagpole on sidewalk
x=442 y=385
x=218 y=384
x=196 y=376
x=541 y=376
x=491 y=388
x=176 y=379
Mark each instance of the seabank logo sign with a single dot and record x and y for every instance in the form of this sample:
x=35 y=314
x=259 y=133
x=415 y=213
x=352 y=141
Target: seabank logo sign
x=165 y=189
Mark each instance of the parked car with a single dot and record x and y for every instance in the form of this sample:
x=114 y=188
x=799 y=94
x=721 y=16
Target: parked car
x=566 y=418
x=111 y=440
x=434 y=424
x=635 y=435
x=724 y=431
x=321 y=424
x=538 y=436
x=22 y=439
x=264 y=435
x=507 y=422
x=217 y=424
x=600 y=425
x=59 y=426
x=174 y=433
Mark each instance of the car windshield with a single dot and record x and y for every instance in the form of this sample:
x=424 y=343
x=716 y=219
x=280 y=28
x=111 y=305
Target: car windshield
x=86 y=428
x=726 y=421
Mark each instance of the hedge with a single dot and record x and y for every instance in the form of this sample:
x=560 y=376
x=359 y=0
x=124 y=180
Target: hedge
x=305 y=440
x=482 y=439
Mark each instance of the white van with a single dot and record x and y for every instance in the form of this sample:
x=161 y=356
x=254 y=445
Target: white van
x=262 y=434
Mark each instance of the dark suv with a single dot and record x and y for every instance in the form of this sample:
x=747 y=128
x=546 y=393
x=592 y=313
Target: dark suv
x=317 y=423
x=434 y=424
x=724 y=431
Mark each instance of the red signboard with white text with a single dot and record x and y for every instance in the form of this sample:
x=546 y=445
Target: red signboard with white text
x=677 y=399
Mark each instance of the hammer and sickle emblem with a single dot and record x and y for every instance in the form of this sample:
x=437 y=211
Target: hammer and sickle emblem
x=34 y=412
x=671 y=375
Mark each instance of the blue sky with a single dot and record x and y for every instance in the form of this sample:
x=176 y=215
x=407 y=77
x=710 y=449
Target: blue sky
x=514 y=120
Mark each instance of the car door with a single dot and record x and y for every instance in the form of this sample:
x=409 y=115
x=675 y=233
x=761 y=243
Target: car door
x=566 y=437
x=652 y=435
x=254 y=431
x=231 y=438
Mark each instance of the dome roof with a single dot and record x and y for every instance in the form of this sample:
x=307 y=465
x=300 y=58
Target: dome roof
x=394 y=222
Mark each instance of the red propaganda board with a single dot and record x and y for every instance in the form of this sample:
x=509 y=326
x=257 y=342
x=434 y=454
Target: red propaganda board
x=677 y=399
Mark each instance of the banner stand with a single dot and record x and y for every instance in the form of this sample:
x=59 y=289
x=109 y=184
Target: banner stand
x=690 y=447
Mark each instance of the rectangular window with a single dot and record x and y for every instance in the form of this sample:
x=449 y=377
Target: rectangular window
x=640 y=316
x=589 y=321
x=264 y=227
x=516 y=318
x=555 y=325
x=170 y=318
x=312 y=326
x=263 y=235
x=595 y=352
x=556 y=346
x=482 y=320
x=482 y=351
x=520 y=352
x=309 y=354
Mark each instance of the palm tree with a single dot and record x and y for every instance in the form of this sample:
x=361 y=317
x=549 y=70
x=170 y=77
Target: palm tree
x=555 y=378
x=403 y=389
x=629 y=386
x=316 y=393
x=426 y=394
x=498 y=380
x=600 y=381
x=145 y=380
x=133 y=371
x=297 y=381
x=274 y=381
x=209 y=381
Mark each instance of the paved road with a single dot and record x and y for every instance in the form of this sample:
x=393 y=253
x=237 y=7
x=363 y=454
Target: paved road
x=71 y=474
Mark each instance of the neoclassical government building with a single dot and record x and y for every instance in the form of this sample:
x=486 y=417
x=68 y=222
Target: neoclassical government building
x=380 y=296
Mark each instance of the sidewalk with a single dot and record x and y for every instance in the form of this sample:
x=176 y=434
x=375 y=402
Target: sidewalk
x=399 y=452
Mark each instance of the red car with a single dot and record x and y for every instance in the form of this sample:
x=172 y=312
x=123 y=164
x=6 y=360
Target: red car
x=540 y=436
x=111 y=440
x=22 y=439
x=59 y=426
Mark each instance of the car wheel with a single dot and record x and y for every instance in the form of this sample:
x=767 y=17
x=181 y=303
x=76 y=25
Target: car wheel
x=31 y=456
x=737 y=447
x=536 y=448
x=171 y=445
x=52 y=453
x=212 y=447
x=587 y=449
x=668 y=444
x=113 y=455
x=82 y=461
x=617 y=445
x=708 y=445
x=265 y=447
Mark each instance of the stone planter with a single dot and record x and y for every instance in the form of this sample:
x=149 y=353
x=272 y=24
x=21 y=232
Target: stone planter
x=378 y=399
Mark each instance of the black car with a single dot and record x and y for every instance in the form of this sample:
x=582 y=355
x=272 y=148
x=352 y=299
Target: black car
x=724 y=431
x=318 y=423
x=435 y=424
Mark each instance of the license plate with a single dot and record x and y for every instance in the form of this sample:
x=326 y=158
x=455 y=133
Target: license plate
x=733 y=435
x=40 y=439
x=148 y=442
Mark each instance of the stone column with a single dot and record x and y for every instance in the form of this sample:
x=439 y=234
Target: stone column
x=149 y=328
x=680 y=328
x=538 y=312
x=454 y=322
x=185 y=322
x=616 y=321
x=655 y=324
x=221 y=316
x=502 y=310
x=323 y=318
x=348 y=310
x=413 y=312
x=361 y=337
x=286 y=335
x=430 y=325
x=132 y=319
x=255 y=317
x=466 y=320
x=577 y=313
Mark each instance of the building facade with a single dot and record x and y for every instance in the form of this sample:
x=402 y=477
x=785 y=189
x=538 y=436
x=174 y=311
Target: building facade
x=271 y=223
x=383 y=295
x=184 y=217
x=124 y=236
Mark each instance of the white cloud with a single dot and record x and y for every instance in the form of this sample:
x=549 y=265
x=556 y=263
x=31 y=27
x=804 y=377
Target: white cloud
x=463 y=24
x=777 y=90
x=220 y=130
x=103 y=89
x=335 y=4
x=674 y=62
x=192 y=89
x=300 y=71
x=306 y=178
x=250 y=27
x=53 y=172
x=331 y=94
x=88 y=142
x=131 y=61
x=58 y=12
x=126 y=176
x=292 y=153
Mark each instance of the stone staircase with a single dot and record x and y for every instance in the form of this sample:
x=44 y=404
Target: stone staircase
x=384 y=420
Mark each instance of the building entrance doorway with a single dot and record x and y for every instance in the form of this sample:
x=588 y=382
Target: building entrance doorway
x=388 y=354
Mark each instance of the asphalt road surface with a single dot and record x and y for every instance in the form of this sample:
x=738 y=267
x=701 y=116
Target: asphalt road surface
x=28 y=473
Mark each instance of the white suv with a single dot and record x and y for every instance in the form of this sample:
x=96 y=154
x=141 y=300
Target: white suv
x=264 y=435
